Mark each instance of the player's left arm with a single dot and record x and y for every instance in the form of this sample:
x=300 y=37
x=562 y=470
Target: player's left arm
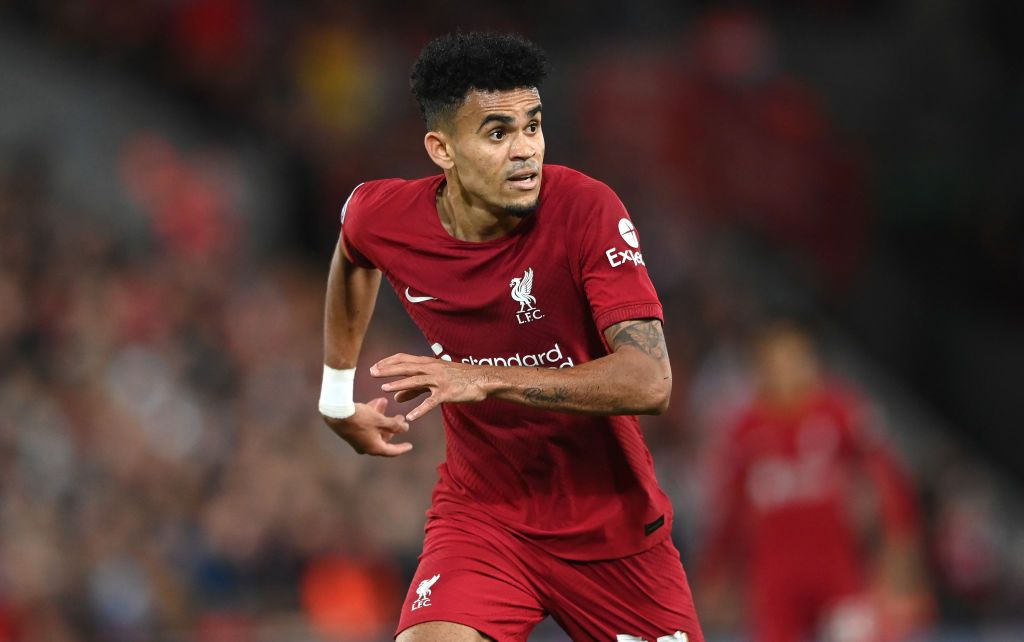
x=635 y=378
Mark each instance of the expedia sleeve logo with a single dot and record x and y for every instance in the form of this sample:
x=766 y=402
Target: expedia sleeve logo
x=631 y=254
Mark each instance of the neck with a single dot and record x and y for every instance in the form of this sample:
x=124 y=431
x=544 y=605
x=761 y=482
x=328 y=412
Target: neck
x=468 y=219
x=789 y=396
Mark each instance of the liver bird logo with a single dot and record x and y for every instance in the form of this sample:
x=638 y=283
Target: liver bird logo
x=521 y=288
x=423 y=590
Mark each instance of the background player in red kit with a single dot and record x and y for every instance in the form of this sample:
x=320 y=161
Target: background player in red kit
x=804 y=487
x=529 y=284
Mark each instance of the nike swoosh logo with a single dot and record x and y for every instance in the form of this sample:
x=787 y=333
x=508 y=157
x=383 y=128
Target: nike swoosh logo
x=418 y=299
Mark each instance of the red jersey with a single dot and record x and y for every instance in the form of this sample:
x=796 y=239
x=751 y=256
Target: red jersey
x=788 y=483
x=581 y=487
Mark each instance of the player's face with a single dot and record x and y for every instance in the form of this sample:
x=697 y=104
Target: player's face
x=498 y=148
x=788 y=365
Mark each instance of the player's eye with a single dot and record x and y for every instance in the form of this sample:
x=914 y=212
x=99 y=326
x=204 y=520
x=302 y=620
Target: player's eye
x=497 y=134
x=533 y=127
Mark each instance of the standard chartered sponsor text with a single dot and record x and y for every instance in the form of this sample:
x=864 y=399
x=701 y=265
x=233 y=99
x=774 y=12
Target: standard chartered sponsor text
x=551 y=358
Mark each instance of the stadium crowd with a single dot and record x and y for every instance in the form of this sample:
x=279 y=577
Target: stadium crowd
x=164 y=474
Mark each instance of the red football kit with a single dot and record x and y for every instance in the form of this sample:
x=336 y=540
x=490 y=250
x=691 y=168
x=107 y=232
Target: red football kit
x=522 y=491
x=788 y=482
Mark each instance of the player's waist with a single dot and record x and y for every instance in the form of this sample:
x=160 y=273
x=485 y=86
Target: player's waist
x=592 y=530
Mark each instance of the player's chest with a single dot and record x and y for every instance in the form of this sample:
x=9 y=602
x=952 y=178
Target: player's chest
x=523 y=284
x=795 y=461
x=814 y=436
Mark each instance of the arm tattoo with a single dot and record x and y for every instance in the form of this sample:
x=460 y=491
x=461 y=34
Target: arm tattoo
x=555 y=395
x=645 y=336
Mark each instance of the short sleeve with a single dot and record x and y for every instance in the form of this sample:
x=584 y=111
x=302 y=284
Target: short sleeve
x=353 y=228
x=611 y=261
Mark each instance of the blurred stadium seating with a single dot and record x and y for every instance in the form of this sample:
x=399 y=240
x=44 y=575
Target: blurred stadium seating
x=170 y=177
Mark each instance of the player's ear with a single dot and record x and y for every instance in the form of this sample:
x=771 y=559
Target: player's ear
x=438 y=149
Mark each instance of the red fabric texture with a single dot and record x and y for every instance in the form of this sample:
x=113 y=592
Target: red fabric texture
x=487 y=578
x=581 y=487
x=788 y=481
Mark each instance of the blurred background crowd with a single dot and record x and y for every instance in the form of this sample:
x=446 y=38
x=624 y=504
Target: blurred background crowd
x=170 y=179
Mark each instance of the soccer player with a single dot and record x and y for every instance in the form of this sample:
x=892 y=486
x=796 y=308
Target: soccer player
x=529 y=285
x=794 y=472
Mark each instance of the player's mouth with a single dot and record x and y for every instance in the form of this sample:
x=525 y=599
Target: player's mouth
x=525 y=180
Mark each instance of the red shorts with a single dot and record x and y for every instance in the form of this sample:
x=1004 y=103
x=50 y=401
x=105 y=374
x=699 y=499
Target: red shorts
x=802 y=596
x=481 y=576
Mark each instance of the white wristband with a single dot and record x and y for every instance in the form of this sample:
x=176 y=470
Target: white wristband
x=336 y=393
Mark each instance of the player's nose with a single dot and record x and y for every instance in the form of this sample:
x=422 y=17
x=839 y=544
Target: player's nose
x=523 y=147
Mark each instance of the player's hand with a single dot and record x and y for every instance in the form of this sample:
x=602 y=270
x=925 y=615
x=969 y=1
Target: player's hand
x=369 y=431
x=446 y=382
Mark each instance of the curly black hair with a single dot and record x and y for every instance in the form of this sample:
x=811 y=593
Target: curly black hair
x=451 y=66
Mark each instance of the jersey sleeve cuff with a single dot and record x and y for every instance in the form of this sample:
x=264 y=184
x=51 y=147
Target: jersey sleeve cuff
x=627 y=312
x=354 y=255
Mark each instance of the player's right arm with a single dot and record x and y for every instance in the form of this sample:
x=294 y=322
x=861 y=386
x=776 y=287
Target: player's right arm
x=351 y=296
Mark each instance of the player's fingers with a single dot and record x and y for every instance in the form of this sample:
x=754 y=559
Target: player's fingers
x=428 y=404
x=403 y=424
x=379 y=404
x=385 y=449
x=394 y=424
x=400 y=359
x=409 y=383
x=393 y=359
x=396 y=369
x=408 y=395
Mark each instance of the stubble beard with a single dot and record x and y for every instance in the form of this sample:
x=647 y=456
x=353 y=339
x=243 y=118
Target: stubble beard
x=522 y=211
